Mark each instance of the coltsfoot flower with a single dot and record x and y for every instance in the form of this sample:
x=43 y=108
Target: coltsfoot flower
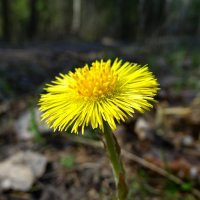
x=106 y=91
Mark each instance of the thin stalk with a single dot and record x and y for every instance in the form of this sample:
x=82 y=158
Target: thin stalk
x=114 y=153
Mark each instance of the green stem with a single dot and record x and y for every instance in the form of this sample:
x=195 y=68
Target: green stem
x=113 y=149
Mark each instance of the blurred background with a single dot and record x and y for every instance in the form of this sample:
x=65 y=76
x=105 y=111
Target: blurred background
x=40 y=39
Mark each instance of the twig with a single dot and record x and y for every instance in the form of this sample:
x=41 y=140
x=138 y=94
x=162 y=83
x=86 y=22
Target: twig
x=158 y=170
x=138 y=160
x=180 y=111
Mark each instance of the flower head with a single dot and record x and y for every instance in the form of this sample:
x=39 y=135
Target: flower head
x=103 y=92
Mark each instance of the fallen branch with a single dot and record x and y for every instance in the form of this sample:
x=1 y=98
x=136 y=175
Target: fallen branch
x=136 y=159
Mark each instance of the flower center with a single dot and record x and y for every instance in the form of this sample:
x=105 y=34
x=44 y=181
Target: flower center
x=95 y=82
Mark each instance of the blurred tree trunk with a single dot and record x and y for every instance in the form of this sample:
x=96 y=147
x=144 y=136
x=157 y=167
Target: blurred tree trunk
x=5 y=19
x=152 y=16
x=128 y=18
x=182 y=15
x=141 y=24
x=32 y=28
x=76 y=16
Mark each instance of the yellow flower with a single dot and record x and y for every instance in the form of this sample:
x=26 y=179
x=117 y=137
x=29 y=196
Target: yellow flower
x=105 y=91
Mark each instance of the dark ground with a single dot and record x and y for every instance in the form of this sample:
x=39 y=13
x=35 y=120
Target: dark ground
x=161 y=149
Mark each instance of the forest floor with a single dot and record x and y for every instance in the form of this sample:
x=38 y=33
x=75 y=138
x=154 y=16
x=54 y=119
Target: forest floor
x=160 y=149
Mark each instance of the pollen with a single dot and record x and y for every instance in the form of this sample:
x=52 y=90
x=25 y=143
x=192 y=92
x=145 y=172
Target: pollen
x=96 y=82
